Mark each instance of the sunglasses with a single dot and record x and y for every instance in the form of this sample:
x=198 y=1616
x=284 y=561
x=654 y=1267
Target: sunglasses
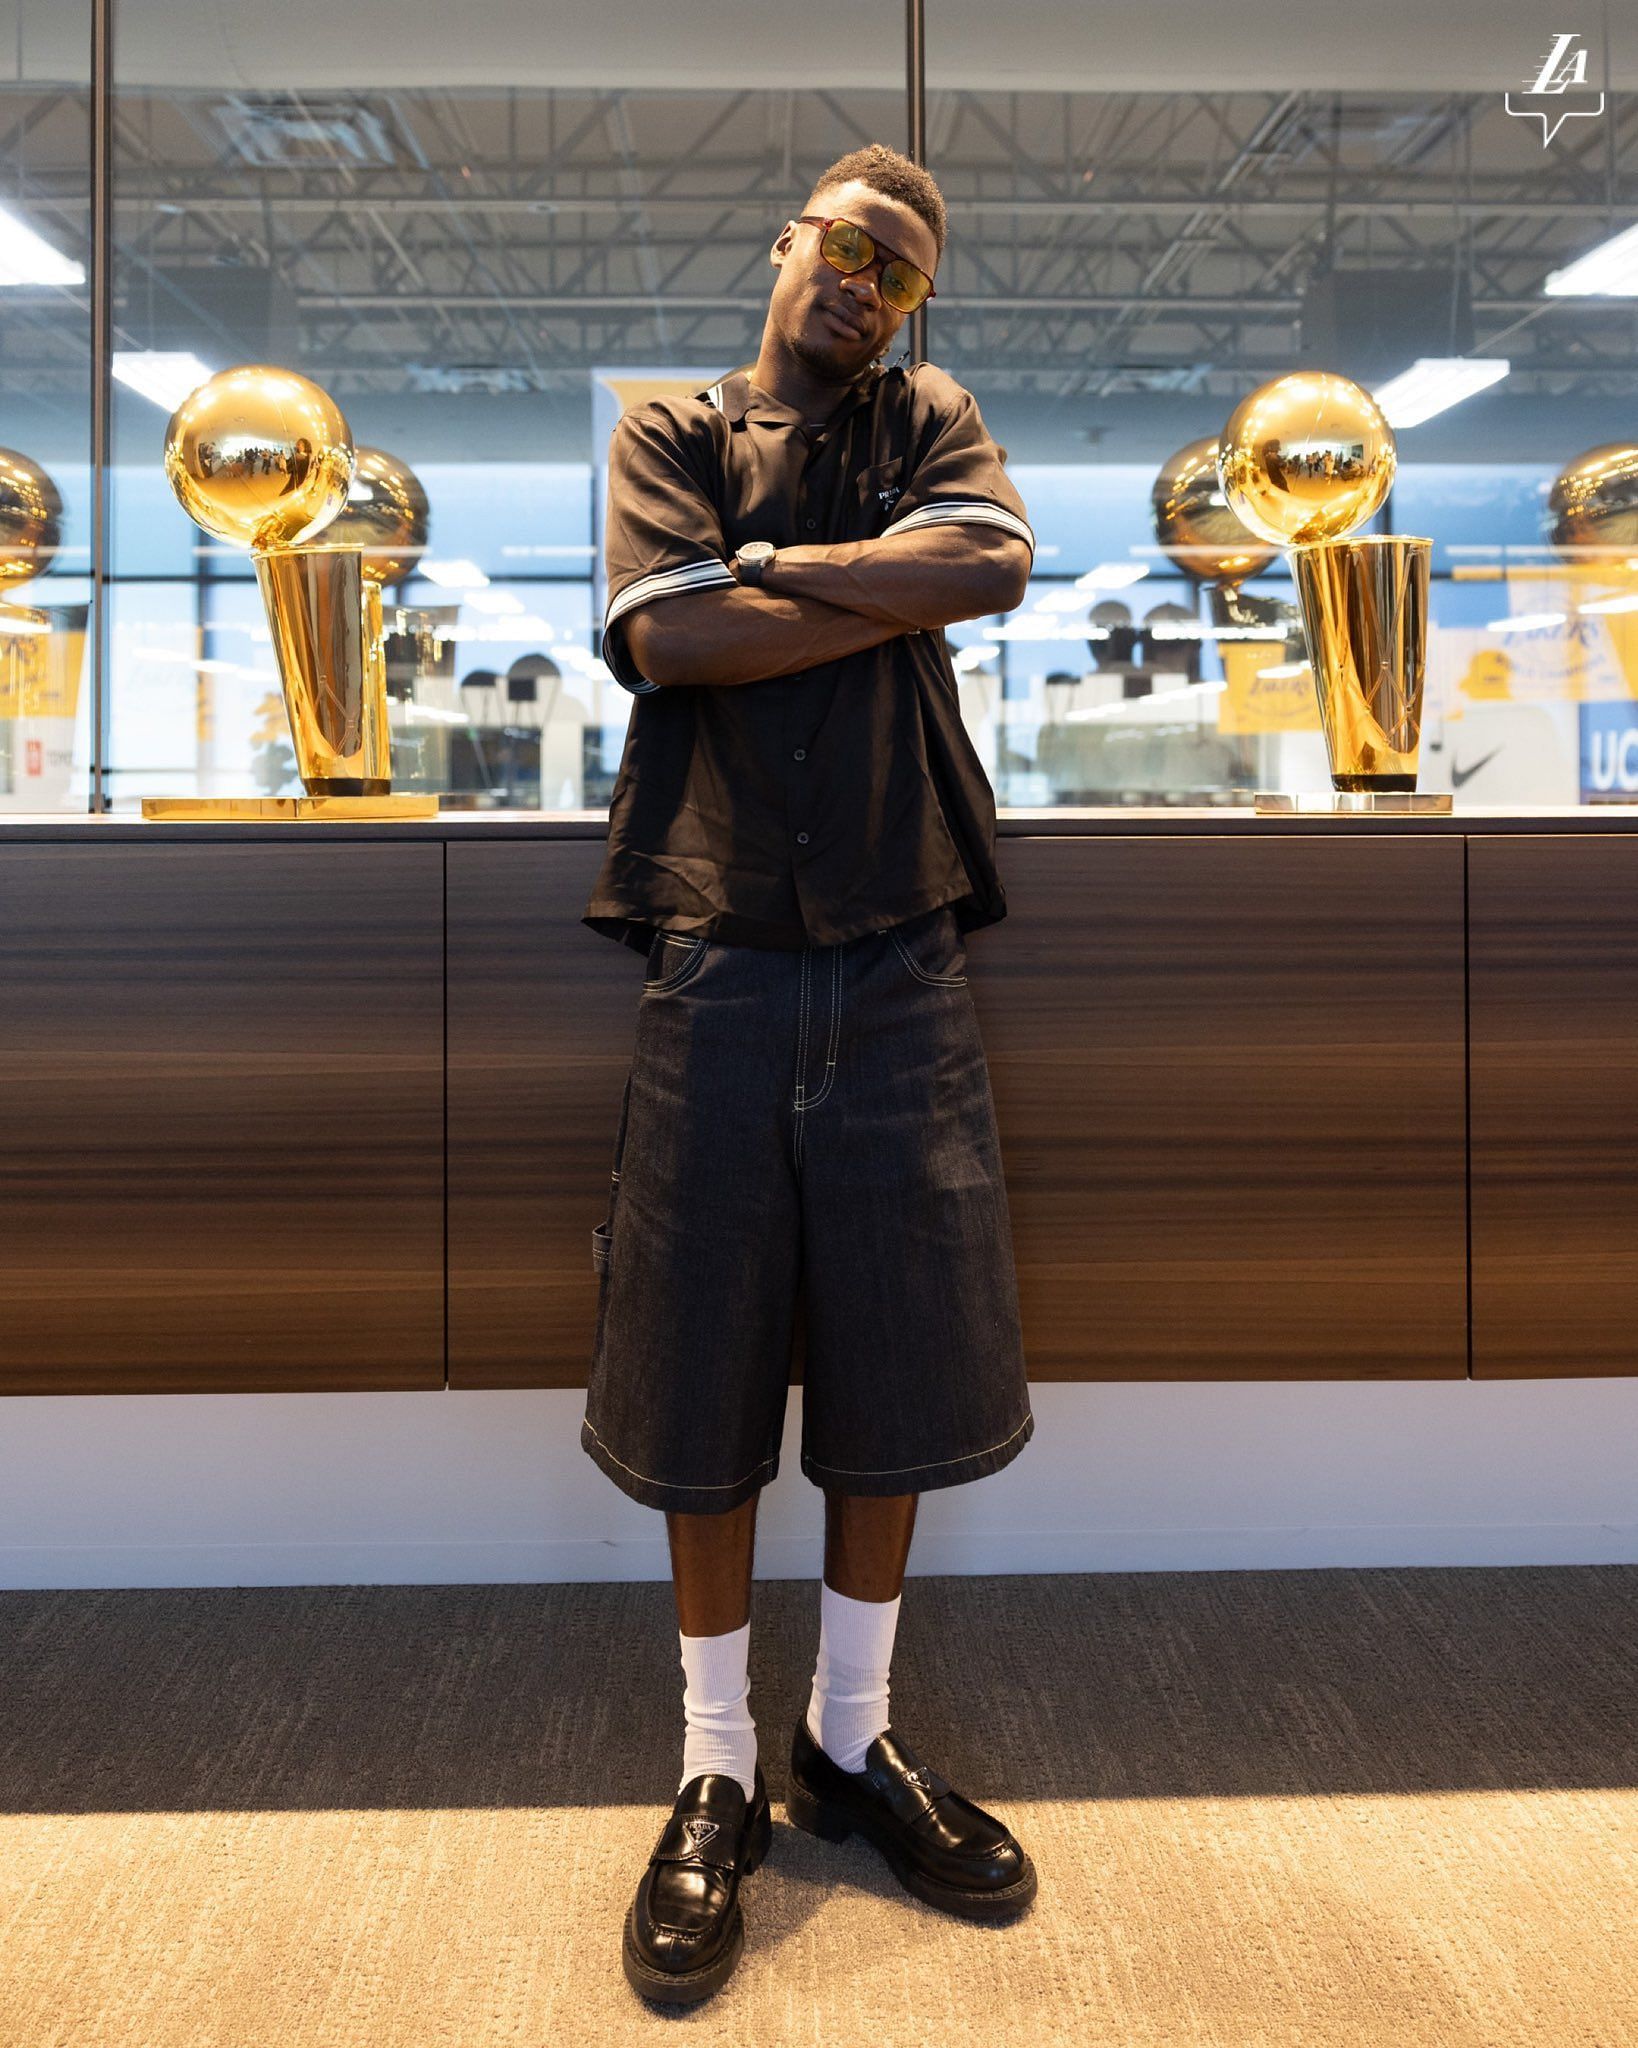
x=847 y=248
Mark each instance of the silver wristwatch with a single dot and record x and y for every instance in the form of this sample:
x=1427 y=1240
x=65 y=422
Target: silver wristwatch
x=753 y=558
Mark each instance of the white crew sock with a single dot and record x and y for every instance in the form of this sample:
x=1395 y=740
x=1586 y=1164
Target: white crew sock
x=719 y=1734
x=848 y=1705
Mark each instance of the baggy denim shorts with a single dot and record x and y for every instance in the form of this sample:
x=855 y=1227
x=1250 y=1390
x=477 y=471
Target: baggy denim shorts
x=806 y=1134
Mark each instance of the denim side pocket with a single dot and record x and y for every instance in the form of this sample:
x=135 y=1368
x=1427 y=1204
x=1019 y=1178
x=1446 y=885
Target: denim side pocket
x=931 y=946
x=672 y=959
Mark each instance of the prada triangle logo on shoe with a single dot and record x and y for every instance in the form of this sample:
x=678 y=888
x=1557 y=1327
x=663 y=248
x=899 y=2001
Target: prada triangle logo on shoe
x=699 y=1832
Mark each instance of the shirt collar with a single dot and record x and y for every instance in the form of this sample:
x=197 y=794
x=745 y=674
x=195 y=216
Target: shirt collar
x=741 y=400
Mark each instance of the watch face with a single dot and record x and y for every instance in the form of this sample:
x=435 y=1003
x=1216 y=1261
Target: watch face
x=756 y=551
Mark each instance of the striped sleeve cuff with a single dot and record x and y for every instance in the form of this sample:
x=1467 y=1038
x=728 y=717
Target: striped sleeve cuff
x=974 y=511
x=707 y=575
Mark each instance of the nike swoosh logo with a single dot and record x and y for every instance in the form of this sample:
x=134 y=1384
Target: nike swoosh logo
x=1460 y=775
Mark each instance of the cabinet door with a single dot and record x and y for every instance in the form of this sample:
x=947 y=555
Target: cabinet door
x=1554 y=993
x=1229 y=1077
x=221 y=1157
x=542 y=1024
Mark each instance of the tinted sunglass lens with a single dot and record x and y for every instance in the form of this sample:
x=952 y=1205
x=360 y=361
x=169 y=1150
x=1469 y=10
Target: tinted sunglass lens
x=847 y=247
x=902 y=289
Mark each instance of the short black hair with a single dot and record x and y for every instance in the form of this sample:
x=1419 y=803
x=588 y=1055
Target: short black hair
x=887 y=172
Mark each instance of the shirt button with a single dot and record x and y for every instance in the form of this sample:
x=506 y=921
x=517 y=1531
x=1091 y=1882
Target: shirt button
x=801 y=839
x=801 y=754
x=810 y=524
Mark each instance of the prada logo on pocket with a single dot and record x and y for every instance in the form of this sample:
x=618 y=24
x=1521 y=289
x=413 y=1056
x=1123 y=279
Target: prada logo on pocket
x=879 y=485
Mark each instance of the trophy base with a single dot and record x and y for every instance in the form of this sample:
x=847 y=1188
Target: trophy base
x=194 y=809
x=1396 y=802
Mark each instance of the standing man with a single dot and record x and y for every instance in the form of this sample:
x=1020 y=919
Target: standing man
x=800 y=835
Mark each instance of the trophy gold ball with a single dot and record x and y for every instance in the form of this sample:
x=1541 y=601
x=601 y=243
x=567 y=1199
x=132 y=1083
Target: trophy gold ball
x=1194 y=523
x=1593 y=503
x=386 y=517
x=31 y=519
x=260 y=457
x=1306 y=458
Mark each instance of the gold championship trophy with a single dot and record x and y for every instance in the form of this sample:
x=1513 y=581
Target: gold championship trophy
x=263 y=458
x=1303 y=461
x=1200 y=531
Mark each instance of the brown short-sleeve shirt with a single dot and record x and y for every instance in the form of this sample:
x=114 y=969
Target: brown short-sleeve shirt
x=812 y=807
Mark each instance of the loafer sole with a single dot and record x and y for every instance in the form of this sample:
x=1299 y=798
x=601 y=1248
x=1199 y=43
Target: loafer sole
x=684 y=1987
x=833 y=1823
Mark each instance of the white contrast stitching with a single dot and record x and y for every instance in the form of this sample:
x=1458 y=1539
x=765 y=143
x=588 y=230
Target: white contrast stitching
x=835 y=1027
x=680 y=1485
x=802 y=1029
x=932 y=980
x=679 y=974
x=932 y=1464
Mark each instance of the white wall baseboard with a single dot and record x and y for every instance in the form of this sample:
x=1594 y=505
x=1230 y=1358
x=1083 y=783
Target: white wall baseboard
x=465 y=1488
x=1038 y=1550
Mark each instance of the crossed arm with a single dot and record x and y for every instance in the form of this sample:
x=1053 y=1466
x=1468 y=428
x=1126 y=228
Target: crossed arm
x=823 y=602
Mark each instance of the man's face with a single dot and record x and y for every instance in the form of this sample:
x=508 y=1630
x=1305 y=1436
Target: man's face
x=832 y=324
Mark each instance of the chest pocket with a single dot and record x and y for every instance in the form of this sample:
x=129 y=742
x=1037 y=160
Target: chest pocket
x=879 y=488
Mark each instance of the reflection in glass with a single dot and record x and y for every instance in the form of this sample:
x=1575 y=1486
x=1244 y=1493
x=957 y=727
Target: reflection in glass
x=1149 y=222
x=457 y=256
x=45 y=407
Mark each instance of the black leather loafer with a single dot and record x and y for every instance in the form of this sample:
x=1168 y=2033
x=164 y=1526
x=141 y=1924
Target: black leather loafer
x=685 y=1930
x=939 y=1846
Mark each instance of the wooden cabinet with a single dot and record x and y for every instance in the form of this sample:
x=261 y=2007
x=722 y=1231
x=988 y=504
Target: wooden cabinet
x=1554 y=971
x=221 y=1158
x=1228 y=1074
x=542 y=1020
x=266 y=1091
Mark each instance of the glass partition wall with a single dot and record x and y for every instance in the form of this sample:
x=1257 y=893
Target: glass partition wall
x=45 y=405
x=483 y=240
x=471 y=242
x=1160 y=209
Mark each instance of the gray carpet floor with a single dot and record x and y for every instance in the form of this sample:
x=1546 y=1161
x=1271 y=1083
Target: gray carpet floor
x=1384 y=1807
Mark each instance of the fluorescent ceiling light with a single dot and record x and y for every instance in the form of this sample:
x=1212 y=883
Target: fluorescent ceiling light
x=1071 y=600
x=26 y=259
x=509 y=632
x=1608 y=272
x=1112 y=576
x=1433 y=384
x=163 y=376
x=496 y=601
x=1032 y=626
x=970 y=658
x=457 y=575
x=1283 y=669
x=1612 y=604
x=1526 y=622
x=576 y=548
